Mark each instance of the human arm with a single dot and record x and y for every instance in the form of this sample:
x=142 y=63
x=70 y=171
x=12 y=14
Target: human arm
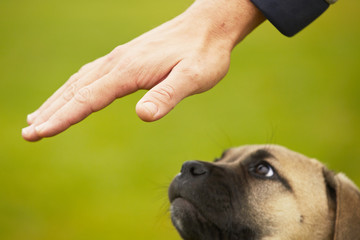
x=187 y=55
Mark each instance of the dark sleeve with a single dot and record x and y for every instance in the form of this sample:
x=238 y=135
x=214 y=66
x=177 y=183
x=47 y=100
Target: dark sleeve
x=291 y=16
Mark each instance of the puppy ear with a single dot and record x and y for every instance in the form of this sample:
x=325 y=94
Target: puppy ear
x=347 y=198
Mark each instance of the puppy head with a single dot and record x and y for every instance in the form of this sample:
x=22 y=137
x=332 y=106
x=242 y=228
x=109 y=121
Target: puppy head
x=256 y=192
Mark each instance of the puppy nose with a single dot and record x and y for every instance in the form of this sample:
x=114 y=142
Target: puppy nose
x=193 y=168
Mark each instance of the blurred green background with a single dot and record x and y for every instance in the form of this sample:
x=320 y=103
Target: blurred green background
x=107 y=177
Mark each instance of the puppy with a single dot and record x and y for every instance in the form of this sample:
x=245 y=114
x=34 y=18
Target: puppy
x=263 y=192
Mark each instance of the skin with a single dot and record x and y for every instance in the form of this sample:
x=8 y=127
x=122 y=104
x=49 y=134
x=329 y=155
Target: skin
x=187 y=55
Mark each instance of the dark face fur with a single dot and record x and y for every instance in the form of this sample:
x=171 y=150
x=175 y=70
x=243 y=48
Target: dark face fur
x=242 y=195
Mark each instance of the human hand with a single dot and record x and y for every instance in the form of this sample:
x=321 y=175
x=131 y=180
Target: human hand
x=187 y=55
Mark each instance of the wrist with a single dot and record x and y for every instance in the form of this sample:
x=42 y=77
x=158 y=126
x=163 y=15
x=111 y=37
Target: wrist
x=226 y=20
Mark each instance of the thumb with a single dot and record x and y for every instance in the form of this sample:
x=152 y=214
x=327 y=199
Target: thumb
x=163 y=97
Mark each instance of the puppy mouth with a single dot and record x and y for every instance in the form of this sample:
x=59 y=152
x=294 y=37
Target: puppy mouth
x=183 y=204
x=180 y=207
x=190 y=222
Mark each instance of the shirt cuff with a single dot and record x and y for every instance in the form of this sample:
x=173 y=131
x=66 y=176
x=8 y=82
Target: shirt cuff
x=291 y=16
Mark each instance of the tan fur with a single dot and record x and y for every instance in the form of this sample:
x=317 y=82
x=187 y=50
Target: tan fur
x=305 y=213
x=348 y=209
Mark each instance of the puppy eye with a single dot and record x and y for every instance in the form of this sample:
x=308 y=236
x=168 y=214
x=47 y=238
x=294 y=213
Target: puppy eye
x=264 y=169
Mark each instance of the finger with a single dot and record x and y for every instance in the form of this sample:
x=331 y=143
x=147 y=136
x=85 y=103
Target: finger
x=71 y=91
x=75 y=77
x=162 y=98
x=89 y=99
x=30 y=134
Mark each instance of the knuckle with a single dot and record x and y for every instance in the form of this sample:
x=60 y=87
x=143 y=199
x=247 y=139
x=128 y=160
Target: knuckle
x=109 y=57
x=192 y=72
x=74 y=77
x=114 y=53
x=90 y=65
x=69 y=92
x=195 y=73
x=84 y=67
x=87 y=66
x=119 y=49
x=83 y=96
x=128 y=67
x=165 y=94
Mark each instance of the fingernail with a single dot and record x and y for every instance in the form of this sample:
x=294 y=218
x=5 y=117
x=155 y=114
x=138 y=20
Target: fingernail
x=26 y=131
x=42 y=127
x=31 y=117
x=150 y=107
